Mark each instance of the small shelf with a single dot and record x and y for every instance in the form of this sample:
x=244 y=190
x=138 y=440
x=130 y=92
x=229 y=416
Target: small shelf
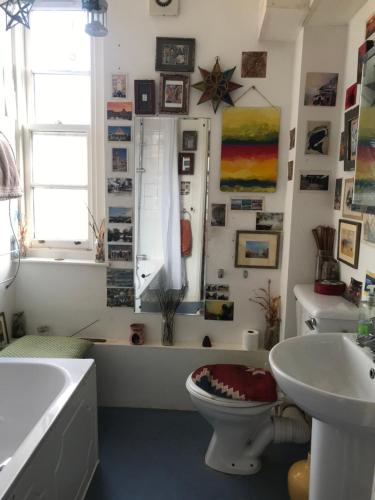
x=71 y=262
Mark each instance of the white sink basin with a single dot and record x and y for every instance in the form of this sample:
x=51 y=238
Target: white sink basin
x=328 y=376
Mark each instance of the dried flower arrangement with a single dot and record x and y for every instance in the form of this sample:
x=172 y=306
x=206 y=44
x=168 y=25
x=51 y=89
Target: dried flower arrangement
x=23 y=244
x=99 y=233
x=271 y=308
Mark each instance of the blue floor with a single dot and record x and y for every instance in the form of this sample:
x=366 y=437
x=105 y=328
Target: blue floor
x=159 y=455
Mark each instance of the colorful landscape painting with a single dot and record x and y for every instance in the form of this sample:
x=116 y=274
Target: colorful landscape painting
x=249 y=151
x=364 y=186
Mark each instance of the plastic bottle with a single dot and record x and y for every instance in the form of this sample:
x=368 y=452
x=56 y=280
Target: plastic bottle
x=366 y=319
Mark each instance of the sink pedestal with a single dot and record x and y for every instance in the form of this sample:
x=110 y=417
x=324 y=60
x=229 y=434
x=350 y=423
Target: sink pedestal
x=342 y=463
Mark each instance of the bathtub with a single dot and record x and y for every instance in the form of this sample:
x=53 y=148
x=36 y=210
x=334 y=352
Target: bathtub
x=48 y=428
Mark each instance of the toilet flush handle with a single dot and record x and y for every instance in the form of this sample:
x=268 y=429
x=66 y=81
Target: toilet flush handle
x=311 y=323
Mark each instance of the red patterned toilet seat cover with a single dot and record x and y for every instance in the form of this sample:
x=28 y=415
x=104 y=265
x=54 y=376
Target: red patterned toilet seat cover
x=239 y=382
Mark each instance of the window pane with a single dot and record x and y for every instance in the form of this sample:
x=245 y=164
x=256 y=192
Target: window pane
x=58 y=41
x=60 y=159
x=62 y=98
x=60 y=214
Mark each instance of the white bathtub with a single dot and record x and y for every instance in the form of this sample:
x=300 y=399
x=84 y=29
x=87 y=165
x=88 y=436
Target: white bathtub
x=48 y=428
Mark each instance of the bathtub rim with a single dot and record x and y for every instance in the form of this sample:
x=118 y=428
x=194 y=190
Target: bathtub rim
x=75 y=371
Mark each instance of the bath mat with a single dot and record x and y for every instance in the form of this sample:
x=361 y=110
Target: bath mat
x=239 y=382
x=39 y=346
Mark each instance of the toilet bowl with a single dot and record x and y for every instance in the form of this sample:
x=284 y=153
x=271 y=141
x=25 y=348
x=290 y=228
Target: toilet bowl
x=236 y=424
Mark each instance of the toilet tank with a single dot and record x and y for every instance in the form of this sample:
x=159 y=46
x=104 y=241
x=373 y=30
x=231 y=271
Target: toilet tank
x=318 y=313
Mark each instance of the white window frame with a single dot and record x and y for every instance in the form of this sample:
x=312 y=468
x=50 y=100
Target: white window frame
x=50 y=248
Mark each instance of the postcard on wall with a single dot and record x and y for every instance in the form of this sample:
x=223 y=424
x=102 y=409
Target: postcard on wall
x=348 y=201
x=217 y=292
x=119 y=133
x=119 y=110
x=317 y=138
x=119 y=185
x=120 y=253
x=218 y=310
x=369 y=228
x=338 y=194
x=120 y=215
x=290 y=170
x=120 y=277
x=184 y=188
x=119 y=235
x=119 y=85
x=314 y=182
x=321 y=89
x=119 y=159
x=254 y=65
x=246 y=204
x=370 y=280
x=120 y=297
x=292 y=138
x=218 y=214
x=269 y=221
x=249 y=150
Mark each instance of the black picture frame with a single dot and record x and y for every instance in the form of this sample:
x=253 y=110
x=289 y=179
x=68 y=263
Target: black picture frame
x=349 y=158
x=189 y=140
x=144 y=96
x=178 y=103
x=351 y=261
x=185 y=163
x=175 y=54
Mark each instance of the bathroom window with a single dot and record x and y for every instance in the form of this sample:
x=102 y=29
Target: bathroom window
x=57 y=136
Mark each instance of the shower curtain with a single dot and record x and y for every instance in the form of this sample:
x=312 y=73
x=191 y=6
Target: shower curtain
x=170 y=205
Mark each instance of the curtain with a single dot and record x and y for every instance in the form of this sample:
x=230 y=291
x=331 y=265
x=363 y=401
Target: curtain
x=170 y=204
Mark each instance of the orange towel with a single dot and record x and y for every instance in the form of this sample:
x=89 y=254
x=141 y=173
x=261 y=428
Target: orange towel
x=186 y=238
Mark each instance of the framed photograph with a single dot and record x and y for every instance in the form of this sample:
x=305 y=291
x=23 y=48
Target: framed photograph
x=119 y=86
x=246 y=204
x=120 y=253
x=144 y=97
x=369 y=228
x=348 y=243
x=175 y=54
x=118 y=133
x=258 y=249
x=119 y=110
x=217 y=292
x=218 y=214
x=351 y=138
x=119 y=159
x=317 y=138
x=290 y=170
x=189 y=140
x=348 y=200
x=120 y=215
x=353 y=292
x=4 y=339
x=184 y=188
x=292 y=138
x=351 y=96
x=120 y=277
x=321 y=89
x=254 y=65
x=174 y=94
x=119 y=235
x=269 y=221
x=218 y=310
x=120 y=297
x=362 y=51
x=342 y=147
x=314 y=182
x=338 y=195
x=185 y=163
x=119 y=185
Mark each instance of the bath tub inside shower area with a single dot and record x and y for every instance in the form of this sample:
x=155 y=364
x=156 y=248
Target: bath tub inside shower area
x=48 y=428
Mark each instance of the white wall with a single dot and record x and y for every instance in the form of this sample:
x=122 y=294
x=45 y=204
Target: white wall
x=67 y=297
x=356 y=36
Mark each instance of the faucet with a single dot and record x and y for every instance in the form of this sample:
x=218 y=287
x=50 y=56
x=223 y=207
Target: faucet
x=367 y=341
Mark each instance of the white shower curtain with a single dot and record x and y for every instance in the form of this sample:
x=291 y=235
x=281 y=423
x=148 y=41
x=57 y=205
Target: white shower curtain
x=170 y=205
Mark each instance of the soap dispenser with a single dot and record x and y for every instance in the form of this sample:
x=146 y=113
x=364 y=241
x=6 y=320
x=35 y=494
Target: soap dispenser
x=366 y=319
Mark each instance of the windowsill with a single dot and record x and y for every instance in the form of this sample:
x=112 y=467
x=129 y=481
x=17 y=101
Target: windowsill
x=72 y=262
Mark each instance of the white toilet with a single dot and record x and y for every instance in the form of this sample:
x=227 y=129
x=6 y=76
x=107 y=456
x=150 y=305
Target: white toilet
x=235 y=423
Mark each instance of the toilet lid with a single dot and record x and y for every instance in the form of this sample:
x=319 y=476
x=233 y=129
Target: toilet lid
x=236 y=382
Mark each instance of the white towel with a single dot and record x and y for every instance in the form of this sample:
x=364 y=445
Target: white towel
x=9 y=178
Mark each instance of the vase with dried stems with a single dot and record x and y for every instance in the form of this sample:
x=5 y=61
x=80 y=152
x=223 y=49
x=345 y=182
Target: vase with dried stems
x=23 y=238
x=99 y=234
x=271 y=307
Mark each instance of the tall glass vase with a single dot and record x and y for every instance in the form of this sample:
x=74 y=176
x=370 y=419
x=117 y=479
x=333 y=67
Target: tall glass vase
x=272 y=335
x=167 y=330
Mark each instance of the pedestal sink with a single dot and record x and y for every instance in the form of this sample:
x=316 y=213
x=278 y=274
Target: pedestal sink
x=330 y=377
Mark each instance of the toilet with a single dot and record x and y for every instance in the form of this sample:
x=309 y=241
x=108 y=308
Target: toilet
x=236 y=424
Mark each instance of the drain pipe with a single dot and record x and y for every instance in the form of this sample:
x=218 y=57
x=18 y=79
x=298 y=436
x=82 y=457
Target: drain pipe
x=291 y=427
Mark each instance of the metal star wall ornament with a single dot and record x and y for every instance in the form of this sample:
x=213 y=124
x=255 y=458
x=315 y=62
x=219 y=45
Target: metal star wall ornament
x=17 y=12
x=216 y=85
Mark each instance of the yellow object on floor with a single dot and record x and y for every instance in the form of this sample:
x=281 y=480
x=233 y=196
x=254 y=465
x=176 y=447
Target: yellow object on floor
x=298 y=480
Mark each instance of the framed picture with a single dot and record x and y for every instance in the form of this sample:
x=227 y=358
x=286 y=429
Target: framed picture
x=119 y=185
x=369 y=228
x=218 y=310
x=254 y=65
x=184 y=188
x=370 y=26
x=185 y=163
x=144 y=96
x=314 y=182
x=174 y=94
x=269 y=221
x=351 y=96
x=342 y=147
x=257 y=249
x=349 y=239
x=120 y=215
x=189 y=140
x=119 y=85
x=353 y=292
x=119 y=110
x=348 y=200
x=246 y=203
x=362 y=51
x=175 y=54
x=290 y=170
x=119 y=159
x=321 y=89
x=351 y=137
x=317 y=138
x=218 y=214
x=4 y=339
x=292 y=138
x=338 y=193
x=119 y=133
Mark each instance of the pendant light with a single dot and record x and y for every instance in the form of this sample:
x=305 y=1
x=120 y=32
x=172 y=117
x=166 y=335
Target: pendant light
x=96 y=17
